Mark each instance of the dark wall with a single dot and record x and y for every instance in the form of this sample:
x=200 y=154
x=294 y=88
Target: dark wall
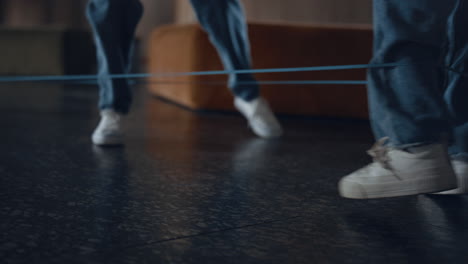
x=71 y=13
x=29 y=13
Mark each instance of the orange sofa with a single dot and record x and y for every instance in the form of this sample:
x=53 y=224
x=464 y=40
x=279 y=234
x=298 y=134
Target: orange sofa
x=182 y=48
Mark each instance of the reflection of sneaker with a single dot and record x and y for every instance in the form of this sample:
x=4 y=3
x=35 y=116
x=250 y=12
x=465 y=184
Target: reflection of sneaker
x=260 y=117
x=396 y=172
x=108 y=132
x=461 y=170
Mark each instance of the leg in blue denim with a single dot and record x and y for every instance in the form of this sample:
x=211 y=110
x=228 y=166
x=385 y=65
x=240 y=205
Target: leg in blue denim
x=113 y=23
x=225 y=23
x=406 y=102
x=457 y=89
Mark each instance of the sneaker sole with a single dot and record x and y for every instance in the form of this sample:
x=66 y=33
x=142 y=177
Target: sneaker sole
x=355 y=190
x=116 y=141
x=265 y=135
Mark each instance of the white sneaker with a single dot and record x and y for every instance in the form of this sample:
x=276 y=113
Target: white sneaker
x=260 y=117
x=108 y=132
x=396 y=172
x=461 y=170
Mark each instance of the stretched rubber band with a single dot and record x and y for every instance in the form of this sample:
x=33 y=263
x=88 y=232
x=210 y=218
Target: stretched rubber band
x=5 y=79
x=261 y=82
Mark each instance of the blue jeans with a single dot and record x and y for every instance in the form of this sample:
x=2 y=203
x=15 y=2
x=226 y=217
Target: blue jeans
x=421 y=101
x=114 y=23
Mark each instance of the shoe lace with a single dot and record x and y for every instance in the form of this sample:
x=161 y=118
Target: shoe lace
x=379 y=153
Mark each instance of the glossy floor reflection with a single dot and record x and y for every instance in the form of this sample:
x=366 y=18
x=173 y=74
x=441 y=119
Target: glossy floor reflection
x=199 y=188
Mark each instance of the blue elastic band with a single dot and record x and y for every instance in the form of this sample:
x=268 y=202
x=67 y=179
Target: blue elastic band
x=197 y=73
x=214 y=83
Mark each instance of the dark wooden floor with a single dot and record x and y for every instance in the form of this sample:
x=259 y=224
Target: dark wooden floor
x=199 y=188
